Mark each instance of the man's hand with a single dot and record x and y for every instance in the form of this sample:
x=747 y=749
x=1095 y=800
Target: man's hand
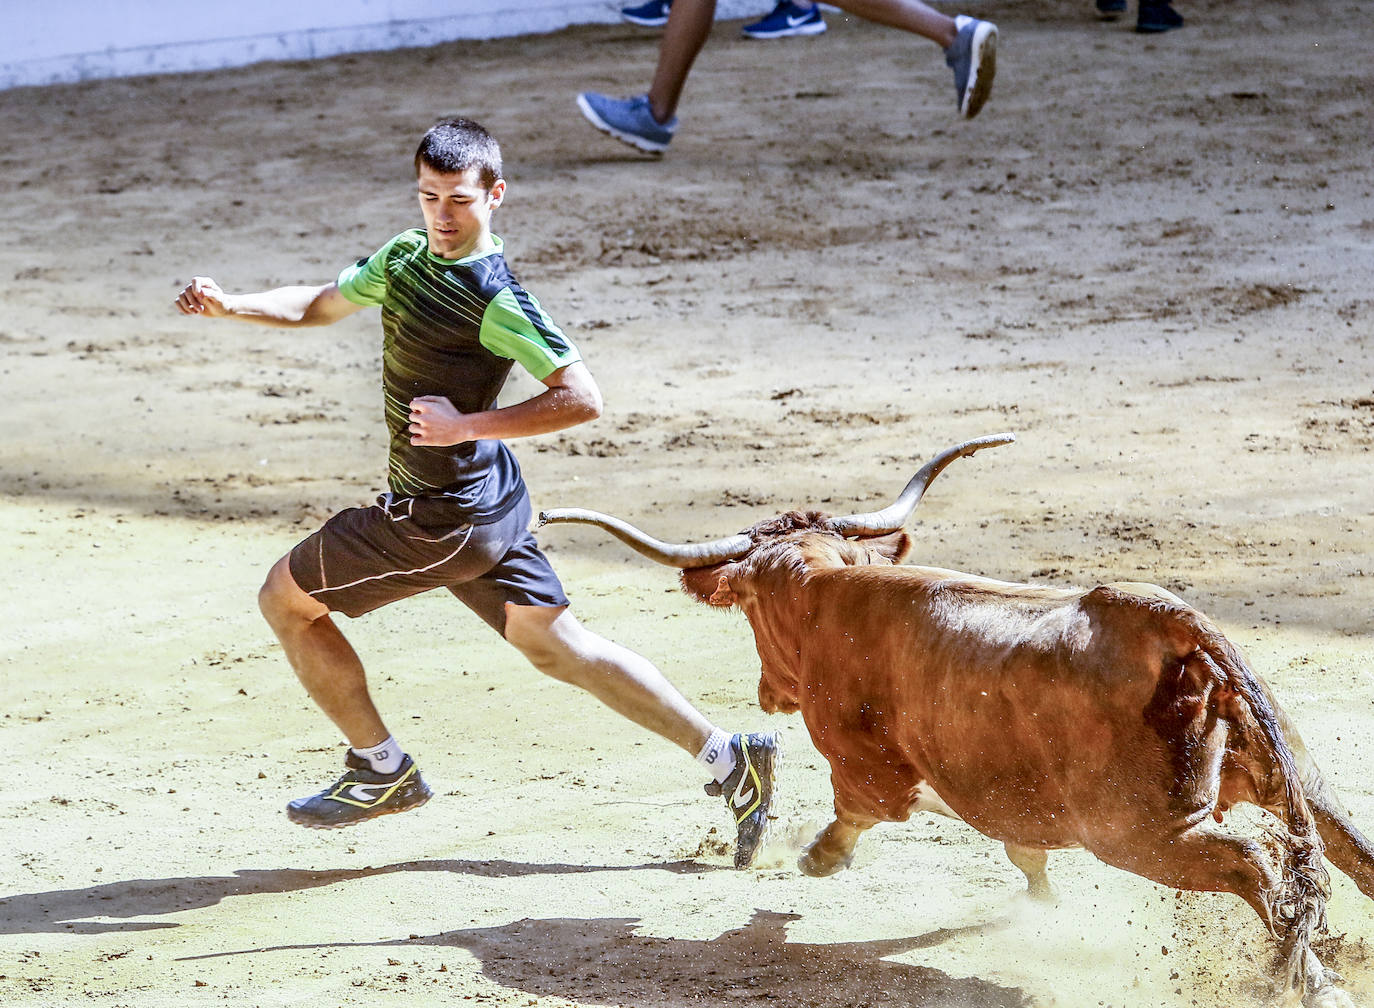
x=434 y=421
x=202 y=296
x=570 y=397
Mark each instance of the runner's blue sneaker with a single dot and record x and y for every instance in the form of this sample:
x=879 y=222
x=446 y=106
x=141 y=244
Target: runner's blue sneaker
x=748 y=790
x=1110 y=10
x=653 y=14
x=360 y=794
x=973 y=58
x=787 y=19
x=627 y=119
x=1154 y=17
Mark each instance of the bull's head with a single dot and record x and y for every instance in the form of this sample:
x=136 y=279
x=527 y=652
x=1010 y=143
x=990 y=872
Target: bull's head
x=763 y=560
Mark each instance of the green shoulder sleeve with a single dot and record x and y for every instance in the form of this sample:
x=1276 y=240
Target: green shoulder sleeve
x=364 y=282
x=515 y=326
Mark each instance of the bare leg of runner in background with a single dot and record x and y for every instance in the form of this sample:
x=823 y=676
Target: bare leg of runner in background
x=649 y=121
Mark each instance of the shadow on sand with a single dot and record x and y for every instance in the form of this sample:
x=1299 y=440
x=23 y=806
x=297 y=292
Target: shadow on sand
x=70 y=910
x=605 y=961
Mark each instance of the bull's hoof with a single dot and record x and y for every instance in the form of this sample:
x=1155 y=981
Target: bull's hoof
x=816 y=867
x=1042 y=890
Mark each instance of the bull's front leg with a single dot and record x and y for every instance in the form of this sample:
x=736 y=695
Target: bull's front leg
x=1032 y=862
x=833 y=849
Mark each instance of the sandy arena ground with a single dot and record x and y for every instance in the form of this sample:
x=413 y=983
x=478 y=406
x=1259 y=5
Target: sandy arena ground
x=1149 y=257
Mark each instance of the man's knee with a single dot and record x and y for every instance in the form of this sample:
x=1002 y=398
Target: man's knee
x=281 y=599
x=547 y=637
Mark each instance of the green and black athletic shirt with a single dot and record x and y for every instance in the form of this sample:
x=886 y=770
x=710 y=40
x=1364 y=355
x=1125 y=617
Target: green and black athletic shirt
x=453 y=327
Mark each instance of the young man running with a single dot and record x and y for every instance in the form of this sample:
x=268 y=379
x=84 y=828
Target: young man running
x=457 y=514
x=649 y=121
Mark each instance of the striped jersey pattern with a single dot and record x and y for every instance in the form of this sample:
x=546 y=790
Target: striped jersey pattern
x=453 y=328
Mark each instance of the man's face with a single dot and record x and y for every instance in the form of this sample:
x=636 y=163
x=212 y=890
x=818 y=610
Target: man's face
x=457 y=211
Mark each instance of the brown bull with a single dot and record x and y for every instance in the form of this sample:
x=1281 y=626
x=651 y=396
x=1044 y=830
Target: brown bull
x=1117 y=719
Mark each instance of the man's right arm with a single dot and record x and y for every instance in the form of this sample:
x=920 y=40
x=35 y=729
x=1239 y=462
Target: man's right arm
x=282 y=306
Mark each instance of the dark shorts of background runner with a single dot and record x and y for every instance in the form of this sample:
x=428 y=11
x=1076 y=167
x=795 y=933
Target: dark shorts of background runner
x=364 y=558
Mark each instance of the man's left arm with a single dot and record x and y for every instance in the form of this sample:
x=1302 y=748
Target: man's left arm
x=570 y=397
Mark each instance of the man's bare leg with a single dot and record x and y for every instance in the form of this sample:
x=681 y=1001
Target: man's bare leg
x=689 y=24
x=559 y=646
x=908 y=15
x=332 y=674
x=321 y=656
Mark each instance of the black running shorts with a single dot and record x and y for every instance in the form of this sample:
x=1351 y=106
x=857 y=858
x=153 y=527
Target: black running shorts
x=363 y=558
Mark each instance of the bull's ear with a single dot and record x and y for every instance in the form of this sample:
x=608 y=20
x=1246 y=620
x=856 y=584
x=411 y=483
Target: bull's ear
x=724 y=596
x=706 y=584
x=894 y=546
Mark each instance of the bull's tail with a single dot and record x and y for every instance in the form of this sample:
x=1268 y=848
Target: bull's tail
x=1299 y=905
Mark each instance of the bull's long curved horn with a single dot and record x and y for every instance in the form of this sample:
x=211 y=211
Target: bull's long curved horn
x=680 y=555
x=895 y=515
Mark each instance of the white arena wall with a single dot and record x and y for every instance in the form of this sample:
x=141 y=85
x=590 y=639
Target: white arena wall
x=60 y=41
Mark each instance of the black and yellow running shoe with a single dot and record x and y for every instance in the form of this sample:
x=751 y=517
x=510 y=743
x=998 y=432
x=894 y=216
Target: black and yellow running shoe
x=748 y=790
x=360 y=794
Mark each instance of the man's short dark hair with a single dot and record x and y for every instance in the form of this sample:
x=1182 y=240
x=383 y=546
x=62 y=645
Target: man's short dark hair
x=452 y=146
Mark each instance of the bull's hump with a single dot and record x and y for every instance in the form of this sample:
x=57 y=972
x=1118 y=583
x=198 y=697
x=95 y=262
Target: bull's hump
x=1151 y=592
x=956 y=581
x=972 y=613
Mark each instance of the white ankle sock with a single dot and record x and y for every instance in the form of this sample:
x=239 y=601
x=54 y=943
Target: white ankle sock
x=718 y=755
x=385 y=757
